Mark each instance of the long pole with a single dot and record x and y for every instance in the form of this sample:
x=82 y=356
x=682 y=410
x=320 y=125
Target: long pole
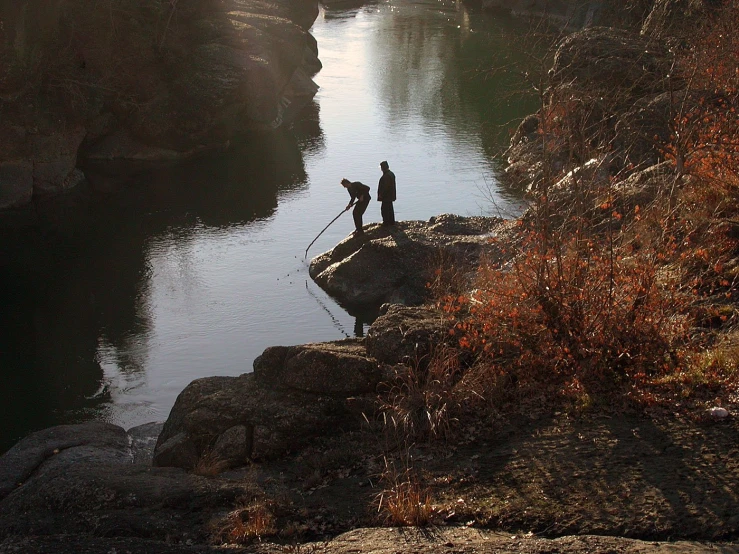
x=319 y=234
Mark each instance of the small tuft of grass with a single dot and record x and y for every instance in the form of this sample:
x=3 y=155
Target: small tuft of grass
x=246 y=524
x=209 y=465
x=404 y=501
x=422 y=401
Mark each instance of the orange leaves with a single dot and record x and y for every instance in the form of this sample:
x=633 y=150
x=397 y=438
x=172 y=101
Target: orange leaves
x=566 y=307
x=705 y=128
x=701 y=254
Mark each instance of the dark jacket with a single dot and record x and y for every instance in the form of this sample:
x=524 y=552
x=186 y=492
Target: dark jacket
x=386 y=188
x=359 y=192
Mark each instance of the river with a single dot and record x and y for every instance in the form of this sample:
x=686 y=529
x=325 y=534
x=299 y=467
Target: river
x=112 y=303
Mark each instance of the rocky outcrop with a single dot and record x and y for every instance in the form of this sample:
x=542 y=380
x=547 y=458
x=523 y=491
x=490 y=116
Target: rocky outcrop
x=404 y=334
x=393 y=264
x=294 y=395
x=676 y=18
x=151 y=82
x=655 y=18
x=614 y=61
x=613 y=83
x=93 y=480
x=379 y=540
x=62 y=445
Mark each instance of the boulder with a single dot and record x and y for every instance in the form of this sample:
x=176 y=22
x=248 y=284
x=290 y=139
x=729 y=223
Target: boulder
x=641 y=188
x=54 y=155
x=60 y=446
x=81 y=481
x=393 y=264
x=676 y=18
x=234 y=445
x=614 y=87
x=295 y=394
x=615 y=62
x=16 y=183
x=336 y=369
x=403 y=334
x=643 y=128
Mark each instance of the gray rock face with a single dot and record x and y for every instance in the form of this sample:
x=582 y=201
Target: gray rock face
x=393 y=264
x=173 y=78
x=675 y=17
x=95 y=480
x=61 y=446
x=16 y=183
x=405 y=334
x=295 y=394
x=55 y=159
x=617 y=62
x=91 y=487
x=234 y=445
x=338 y=369
x=599 y=72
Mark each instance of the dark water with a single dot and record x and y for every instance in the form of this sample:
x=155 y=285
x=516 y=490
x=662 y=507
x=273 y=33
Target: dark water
x=110 y=304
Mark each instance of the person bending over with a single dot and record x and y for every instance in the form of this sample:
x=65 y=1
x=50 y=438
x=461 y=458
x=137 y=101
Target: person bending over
x=360 y=198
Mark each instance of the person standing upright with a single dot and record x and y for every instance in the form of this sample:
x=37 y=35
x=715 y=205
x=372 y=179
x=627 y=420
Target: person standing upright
x=386 y=194
x=359 y=193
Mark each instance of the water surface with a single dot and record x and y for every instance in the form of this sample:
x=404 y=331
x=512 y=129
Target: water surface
x=112 y=303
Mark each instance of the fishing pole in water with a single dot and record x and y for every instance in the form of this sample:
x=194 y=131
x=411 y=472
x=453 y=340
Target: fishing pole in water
x=319 y=234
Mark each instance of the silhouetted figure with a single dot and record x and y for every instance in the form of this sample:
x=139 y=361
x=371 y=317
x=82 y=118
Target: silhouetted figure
x=358 y=327
x=360 y=193
x=386 y=194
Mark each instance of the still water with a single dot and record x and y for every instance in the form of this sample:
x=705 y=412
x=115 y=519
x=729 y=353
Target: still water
x=112 y=303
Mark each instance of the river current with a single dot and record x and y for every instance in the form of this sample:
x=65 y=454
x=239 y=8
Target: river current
x=112 y=303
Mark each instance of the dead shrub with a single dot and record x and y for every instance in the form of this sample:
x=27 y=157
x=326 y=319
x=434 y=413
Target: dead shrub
x=607 y=297
x=448 y=273
x=245 y=524
x=209 y=465
x=421 y=402
x=403 y=500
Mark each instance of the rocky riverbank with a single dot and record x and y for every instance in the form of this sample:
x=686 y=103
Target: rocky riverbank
x=302 y=442
x=316 y=447
x=141 y=83
x=94 y=490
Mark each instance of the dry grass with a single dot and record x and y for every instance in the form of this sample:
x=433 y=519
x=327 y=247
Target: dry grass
x=403 y=501
x=620 y=290
x=421 y=404
x=245 y=524
x=209 y=465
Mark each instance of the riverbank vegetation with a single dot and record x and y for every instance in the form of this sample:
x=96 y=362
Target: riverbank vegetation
x=619 y=287
x=616 y=291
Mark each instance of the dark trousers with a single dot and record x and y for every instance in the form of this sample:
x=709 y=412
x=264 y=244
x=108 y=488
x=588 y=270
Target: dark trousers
x=359 y=209
x=388 y=213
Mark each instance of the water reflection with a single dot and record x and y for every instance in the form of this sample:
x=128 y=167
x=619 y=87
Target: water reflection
x=307 y=130
x=76 y=276
x=438 y=69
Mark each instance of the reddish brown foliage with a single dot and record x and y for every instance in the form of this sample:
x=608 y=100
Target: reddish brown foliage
x=603 y=300
x=705 y=138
